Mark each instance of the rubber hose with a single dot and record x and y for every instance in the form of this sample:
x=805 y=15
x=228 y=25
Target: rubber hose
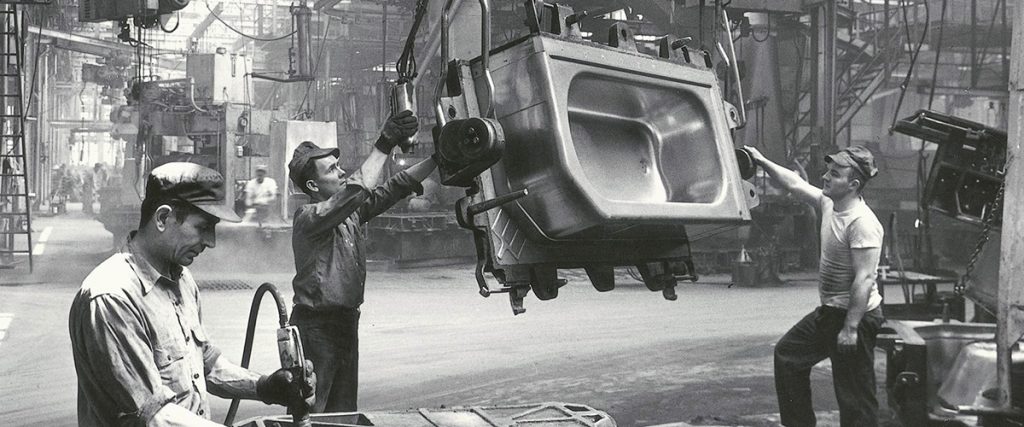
x=250 y=332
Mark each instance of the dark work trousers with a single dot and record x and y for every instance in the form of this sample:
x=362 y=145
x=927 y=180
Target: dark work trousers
x=812 y=340
x=330 y=339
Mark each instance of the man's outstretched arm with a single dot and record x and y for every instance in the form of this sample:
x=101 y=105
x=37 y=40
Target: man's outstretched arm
x=788 y=179
x=397 y=188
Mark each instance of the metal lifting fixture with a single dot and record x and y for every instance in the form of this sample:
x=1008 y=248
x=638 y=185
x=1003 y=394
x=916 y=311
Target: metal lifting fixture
x=574 y=158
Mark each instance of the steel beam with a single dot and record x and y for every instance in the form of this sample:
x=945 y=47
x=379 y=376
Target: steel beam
x=958 y=90
x=203 y=25
x=79 y=126
x=101 y=48
x=774 y=6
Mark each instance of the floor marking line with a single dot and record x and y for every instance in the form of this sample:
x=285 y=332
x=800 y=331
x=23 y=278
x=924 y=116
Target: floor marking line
x=5 y=322
x=45 y=235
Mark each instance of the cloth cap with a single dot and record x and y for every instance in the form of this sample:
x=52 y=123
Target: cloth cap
x=856 y=157
x=304 y=155
x=197 y=185
x=261 y=168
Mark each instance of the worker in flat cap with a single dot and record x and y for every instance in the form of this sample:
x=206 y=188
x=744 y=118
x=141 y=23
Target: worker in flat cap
x=142 y=354
x=843 y=328
x=330 y=254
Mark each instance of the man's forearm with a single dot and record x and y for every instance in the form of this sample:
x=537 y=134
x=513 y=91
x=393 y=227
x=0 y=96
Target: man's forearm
x=372 y=168
x=231 y=381
x=786 y=178
x=859 y=293
x=421 y=170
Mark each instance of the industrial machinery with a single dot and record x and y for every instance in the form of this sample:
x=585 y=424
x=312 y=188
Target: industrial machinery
x=578 y=154
x=943 y=373
x=967 y=172
x=207 y=118
x=114 y=10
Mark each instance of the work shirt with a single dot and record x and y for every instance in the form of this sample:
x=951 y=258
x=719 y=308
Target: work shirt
x=328 y=242
x=138 y=343
x=857 y=227
x=260 y=193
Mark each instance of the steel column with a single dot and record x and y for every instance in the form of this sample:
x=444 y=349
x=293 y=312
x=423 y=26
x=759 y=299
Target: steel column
x=823 y=118
x=974 y=44
x=1010 y=316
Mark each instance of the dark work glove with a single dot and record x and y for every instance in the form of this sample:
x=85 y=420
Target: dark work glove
x=283 y=387
x=397 y=129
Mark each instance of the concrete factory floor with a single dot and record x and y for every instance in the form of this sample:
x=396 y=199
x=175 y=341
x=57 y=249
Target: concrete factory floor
x=428 y=339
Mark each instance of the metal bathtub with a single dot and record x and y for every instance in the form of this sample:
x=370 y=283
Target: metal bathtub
x=577 y=154
x=610 y=140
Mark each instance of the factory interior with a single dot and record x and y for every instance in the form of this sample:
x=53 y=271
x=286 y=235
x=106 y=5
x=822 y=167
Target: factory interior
x=598 y=213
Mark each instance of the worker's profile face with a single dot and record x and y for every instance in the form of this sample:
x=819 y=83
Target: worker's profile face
x=190 y=237
x=260 y=173
x=839 y=181
x=330 y=176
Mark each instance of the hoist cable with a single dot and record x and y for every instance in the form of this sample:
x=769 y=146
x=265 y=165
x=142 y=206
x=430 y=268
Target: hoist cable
x=406 y=65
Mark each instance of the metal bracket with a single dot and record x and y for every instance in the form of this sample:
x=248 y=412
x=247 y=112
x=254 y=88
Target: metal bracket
x=620 y=36
x=670 y=47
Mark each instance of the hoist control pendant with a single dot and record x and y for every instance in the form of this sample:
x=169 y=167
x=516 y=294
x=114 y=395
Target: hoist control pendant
x=401 y=100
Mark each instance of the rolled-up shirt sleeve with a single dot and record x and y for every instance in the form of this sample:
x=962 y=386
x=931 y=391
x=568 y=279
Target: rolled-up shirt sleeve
x=210 y=352
x=121 y=360
x=230 y=381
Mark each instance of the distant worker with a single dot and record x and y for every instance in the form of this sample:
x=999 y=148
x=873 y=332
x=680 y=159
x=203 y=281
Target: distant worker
x=260 y=195
x=844 y=327
x=141 y=352
x=63 y=183
x=88 y=192
x=99 y=176
x=330 y=253
x=58 y=201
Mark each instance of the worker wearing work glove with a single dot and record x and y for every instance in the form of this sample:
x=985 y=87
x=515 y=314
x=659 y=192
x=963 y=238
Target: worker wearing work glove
x=285 y=386
x=141 y=351
x=397 y=131
x=330 y=251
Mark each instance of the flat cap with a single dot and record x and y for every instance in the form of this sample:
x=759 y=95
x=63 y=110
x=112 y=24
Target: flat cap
x=857 y=157
x=305 y=153
x=197 y=185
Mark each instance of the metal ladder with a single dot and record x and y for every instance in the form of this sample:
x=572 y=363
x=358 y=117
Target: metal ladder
x=15 y=210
